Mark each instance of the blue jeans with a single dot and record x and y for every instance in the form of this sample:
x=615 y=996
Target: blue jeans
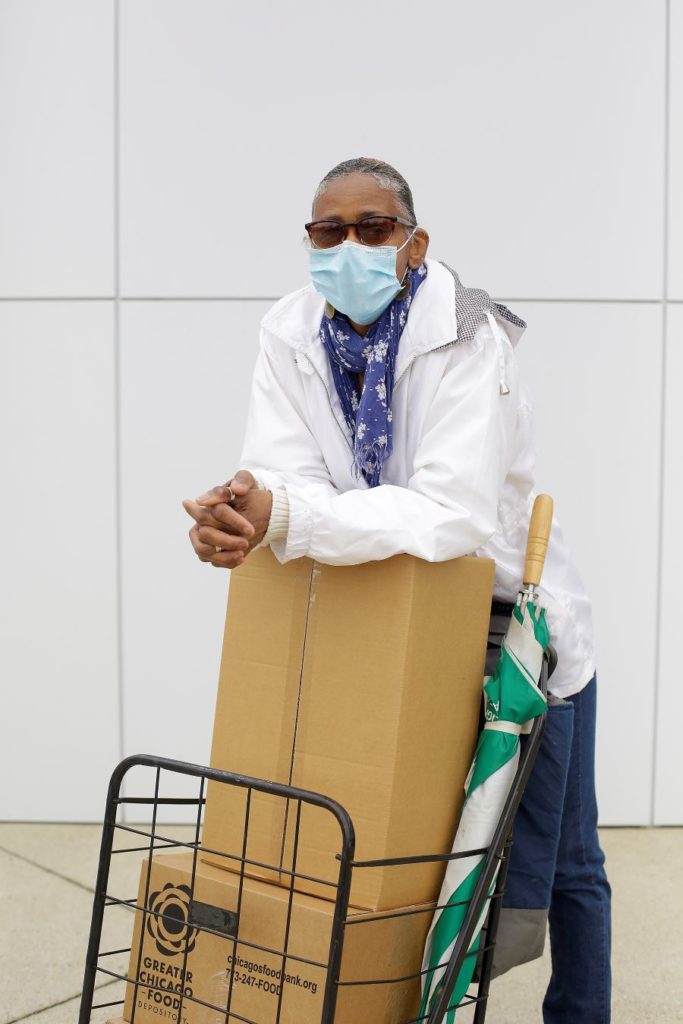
x=556 y=862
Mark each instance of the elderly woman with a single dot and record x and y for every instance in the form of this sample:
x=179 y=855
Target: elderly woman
x=387 y=415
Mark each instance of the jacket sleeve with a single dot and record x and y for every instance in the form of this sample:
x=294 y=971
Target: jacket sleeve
x=279 y=447
x=450 y=504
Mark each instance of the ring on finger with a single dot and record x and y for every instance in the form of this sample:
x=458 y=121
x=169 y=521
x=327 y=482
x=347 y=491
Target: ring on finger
x=231 y=499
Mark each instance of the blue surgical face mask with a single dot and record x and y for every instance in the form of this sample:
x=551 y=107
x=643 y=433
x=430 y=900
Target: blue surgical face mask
x=358 y=280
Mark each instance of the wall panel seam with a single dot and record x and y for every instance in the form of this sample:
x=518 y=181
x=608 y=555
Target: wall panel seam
x=116 y=256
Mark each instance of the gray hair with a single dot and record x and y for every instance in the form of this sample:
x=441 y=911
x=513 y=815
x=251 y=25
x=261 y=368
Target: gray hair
x=385 y=175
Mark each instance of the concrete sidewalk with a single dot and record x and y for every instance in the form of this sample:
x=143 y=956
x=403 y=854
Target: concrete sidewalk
x=47 y=876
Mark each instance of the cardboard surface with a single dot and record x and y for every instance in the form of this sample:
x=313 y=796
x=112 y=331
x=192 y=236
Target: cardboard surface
x=375 y=947
x=258 y=693
x=362 y=683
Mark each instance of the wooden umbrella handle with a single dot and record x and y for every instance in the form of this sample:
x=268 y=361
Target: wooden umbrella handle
x=537 y=541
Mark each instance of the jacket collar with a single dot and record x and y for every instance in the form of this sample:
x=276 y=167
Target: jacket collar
x=431 y=324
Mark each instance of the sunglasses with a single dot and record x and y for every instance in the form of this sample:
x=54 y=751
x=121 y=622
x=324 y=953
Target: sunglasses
x=324 y=234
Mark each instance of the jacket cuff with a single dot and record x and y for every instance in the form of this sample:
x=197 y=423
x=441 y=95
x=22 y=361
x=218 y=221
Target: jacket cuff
x=297 y=540
x=278 y=524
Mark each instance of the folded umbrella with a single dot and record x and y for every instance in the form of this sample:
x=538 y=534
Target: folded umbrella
x=511 y=699
x=523 y=920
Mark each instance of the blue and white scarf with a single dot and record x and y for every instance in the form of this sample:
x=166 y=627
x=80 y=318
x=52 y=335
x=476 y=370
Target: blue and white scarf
x=369 y=414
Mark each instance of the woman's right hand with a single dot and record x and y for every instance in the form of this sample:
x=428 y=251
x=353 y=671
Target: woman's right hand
x=220 y=535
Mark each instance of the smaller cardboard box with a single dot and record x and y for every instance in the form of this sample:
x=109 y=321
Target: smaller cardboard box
x=376 y=946
x=360 y=682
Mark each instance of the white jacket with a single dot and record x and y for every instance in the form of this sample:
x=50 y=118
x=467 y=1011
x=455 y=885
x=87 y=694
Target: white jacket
x=461 y=475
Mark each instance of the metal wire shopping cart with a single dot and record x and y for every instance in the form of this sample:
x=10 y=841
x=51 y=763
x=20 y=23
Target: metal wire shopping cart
x=339 y=996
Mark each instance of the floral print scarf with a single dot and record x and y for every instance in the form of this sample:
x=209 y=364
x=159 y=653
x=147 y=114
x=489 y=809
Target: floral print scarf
x=368 y=412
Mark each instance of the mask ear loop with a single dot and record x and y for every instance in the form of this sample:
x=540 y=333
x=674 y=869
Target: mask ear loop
x=405 y=285
x=407 y=239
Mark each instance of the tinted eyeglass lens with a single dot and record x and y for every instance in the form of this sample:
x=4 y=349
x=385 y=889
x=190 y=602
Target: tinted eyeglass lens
x=371 y=230
x=325 y=234
x=375 y=230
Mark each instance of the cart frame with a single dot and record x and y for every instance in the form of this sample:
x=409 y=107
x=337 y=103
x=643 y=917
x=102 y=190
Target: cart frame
x=494 y=869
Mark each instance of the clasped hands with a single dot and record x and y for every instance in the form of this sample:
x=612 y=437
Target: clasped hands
x=226 y=530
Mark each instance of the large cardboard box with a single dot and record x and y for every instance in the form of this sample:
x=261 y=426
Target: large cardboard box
x=359 y=682
x=375 y=947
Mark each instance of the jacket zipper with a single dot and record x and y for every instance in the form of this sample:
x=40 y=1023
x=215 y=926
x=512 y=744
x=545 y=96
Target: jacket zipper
x=329 y=402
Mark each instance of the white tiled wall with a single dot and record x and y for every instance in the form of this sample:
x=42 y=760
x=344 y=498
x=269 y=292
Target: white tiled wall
x=675 y=220
x=533 y=137
x=161 y=154
x=668 y=790
x=598 y=456
x=58 y=623
x=185 y=368
x=57 y=138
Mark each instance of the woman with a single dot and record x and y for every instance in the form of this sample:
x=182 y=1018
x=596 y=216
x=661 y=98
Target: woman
x=387 y=416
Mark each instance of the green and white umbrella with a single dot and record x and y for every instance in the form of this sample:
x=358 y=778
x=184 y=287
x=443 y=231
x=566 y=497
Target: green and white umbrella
x=512 y=698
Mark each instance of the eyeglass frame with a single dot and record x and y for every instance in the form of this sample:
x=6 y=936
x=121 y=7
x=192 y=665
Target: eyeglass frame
x=356 y=224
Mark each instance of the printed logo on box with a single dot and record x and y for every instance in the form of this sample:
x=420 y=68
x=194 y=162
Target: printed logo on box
x=171 y=929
